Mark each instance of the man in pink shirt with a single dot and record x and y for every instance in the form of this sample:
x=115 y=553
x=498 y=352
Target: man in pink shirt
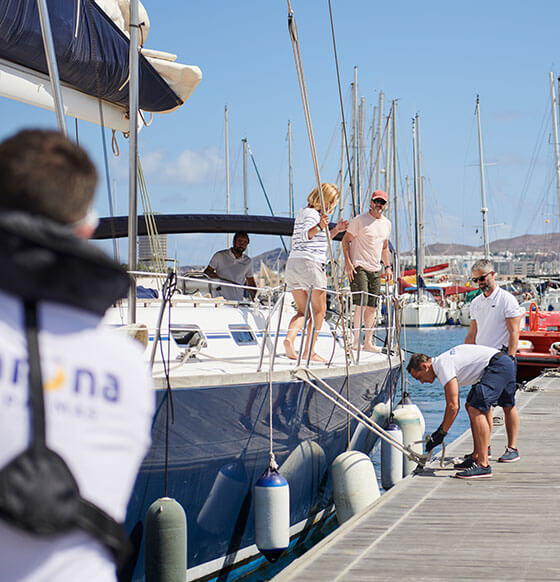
x=366 y=253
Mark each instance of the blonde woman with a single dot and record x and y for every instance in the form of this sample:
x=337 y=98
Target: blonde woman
x=305 y=269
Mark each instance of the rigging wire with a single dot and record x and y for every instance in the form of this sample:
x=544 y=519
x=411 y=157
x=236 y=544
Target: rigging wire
x=102 y=124
x=264 y=190
x=301 y=80
x=351 y=178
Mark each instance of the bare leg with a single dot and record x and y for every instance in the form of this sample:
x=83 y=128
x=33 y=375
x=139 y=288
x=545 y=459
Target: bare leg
x=319 y=306
x=357 y=320
x=368 y=334
x=481 y=435
x=511 y=417
x=296 y=323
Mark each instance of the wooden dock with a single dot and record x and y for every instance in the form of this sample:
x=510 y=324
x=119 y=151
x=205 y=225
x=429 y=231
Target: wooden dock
x=431 y=527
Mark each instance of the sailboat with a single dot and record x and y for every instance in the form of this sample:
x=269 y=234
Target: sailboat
x=424 y=310
x=226 y=397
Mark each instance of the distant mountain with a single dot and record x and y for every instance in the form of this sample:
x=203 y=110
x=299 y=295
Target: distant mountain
x=274 y=259
x=526 y=243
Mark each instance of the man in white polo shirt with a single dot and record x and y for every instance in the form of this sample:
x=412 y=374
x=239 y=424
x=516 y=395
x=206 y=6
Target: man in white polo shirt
x=233 y=266
x=495 y=322
x=492 y=376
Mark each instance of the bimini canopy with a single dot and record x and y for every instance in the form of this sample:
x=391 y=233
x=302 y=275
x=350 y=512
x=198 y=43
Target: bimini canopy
x=117 y=227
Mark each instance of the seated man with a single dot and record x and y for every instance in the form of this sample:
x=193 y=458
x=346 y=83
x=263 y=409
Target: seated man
x=233 y=266
x=492 y=375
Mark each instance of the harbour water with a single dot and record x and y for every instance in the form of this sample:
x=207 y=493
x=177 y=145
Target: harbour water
x=428 y=397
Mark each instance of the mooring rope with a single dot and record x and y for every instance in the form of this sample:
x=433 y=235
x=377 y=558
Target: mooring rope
x=357 y=414
x=301 y=80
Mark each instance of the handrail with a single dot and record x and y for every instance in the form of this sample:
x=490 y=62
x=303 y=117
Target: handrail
x=267 y=326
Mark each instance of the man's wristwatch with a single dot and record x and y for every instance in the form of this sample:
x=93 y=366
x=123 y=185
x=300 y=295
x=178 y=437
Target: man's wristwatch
x=388 y=267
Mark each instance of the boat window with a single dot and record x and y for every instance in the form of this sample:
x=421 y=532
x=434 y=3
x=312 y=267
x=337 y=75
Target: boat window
x=188 y=335
x=242 y=334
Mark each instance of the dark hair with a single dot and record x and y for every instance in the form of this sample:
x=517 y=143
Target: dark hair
x=238 y=234
x=415 y=361
x=43 y=172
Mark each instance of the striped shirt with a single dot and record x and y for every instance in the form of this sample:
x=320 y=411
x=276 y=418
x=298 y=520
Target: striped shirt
x=314 y=249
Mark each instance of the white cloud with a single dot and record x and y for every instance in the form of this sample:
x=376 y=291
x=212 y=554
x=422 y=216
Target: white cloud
x=189 y=167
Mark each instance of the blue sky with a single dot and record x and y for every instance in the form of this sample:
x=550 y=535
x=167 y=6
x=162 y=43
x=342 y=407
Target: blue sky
x=433 y=57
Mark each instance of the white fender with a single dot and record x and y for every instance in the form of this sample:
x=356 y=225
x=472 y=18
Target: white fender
x=354 y=484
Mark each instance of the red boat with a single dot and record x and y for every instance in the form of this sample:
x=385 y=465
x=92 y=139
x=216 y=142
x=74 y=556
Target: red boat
x=539 y=343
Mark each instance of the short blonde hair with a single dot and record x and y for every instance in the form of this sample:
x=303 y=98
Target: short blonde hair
x=330 y=196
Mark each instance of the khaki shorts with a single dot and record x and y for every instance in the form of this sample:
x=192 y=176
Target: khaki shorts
x=368 y=282
x=305 y=274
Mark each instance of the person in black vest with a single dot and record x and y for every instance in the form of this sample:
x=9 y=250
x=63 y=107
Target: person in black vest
x=97 y=392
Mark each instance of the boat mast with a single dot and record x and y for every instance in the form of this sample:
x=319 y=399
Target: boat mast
x=355 y=139
x=290 y=171
x=555 y=137
x=417 y=206
x=361 y=150
x=52 y=64
x=484 y=209
x=245 y=205
x=395 y=189
x=378 y=139
x=409 y=201
x=227 y=167
x=133 y=155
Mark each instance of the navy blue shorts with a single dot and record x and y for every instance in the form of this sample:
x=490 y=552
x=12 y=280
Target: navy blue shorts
x=497 y=385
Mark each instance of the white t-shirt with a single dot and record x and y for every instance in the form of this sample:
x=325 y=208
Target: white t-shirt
x=490 y=314
x=369 y=234
x=303 y=247
x=228 y=266
x=99 y=403
x=466 y=362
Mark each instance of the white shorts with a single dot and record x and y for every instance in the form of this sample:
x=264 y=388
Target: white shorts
x=305 y=274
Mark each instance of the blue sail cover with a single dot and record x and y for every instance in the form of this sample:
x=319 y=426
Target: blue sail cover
x=94 y=62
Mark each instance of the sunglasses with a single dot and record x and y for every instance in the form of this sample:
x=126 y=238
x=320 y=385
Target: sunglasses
x=481 y=278
x=379 y=201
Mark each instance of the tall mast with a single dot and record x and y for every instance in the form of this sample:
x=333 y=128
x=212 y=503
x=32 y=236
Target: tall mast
x=361 y=151
x=341 y=183
x=290 y=171
x=409 y=201
x=227 y=167
x=387 y=176
x=484 y=209
x=52 y=65
x=357 y=184
x=245 y=204
x=133 y=156
x=378 y=139
x=395 y=189
x=555 y=137
x=418 y=207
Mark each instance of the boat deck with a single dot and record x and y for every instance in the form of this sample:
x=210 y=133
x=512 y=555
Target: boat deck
x=431 y=527
x=207 y=369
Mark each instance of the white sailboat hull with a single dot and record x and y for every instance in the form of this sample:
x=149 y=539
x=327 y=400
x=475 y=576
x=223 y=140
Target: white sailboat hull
x=423 y=314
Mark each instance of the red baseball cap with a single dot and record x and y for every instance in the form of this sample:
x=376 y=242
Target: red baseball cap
x=379 y=194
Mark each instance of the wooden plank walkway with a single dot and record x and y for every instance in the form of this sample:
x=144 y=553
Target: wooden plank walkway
x=431 y=527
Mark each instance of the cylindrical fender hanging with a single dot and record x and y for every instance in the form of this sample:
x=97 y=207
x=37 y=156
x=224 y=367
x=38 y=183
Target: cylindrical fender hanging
x=411 y=422
x=354 y=484
x=272 y=514
x=223 y=504
x=391 y=458
x=166 y=542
